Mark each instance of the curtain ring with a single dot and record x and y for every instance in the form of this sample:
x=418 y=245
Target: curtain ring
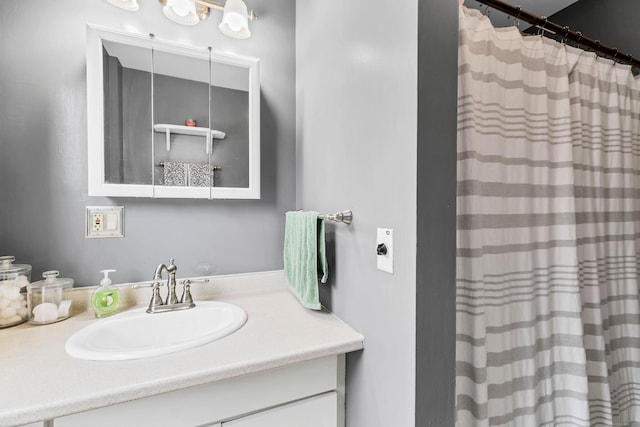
x=544 y=24
x=579 y=37
x=518 y=17
x=597 y=48
x=615 y=52
x=564 y=39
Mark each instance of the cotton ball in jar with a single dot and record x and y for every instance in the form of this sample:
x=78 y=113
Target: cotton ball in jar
x=7 y=312
x=10 y=297
x=22 y=282
x=12 y=293
x=45 y=312
x=18 y=303
x=9 y=283
x=64 y=308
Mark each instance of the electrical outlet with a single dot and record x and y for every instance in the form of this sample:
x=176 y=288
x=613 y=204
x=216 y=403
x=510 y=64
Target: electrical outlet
x=384 y=249
x=97 y=221
x=104 y=221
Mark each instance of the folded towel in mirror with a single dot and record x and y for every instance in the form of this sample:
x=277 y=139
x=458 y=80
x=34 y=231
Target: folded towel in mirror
x=175 y=173
x=200 y=175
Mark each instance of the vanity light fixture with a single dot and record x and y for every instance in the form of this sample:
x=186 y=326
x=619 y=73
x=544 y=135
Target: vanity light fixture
x=235 y=17
x=181 y=11
x=235 y=20
x=131 y=5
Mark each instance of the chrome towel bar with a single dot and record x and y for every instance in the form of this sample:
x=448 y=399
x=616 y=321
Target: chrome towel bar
x=345 y=216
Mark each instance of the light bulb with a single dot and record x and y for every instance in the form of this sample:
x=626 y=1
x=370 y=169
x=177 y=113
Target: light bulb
x=181 y=11
x=235 y=21
x=181 y=8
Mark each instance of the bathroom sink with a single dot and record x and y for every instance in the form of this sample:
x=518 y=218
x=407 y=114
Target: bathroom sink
x=136 y=334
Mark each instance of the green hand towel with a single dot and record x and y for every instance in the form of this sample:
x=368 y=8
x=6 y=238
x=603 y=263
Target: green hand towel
x=304 y=256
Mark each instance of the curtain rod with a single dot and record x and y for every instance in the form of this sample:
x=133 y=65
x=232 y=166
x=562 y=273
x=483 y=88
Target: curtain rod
x=564 y=32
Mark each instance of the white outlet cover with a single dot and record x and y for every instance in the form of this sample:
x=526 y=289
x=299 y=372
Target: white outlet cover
x=385 y=262
x=111 y=224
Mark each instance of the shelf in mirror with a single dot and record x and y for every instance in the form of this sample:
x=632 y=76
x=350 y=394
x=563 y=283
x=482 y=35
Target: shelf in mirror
x=168 y=129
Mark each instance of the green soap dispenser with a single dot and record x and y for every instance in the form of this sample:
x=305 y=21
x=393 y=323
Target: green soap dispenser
x=105 y=299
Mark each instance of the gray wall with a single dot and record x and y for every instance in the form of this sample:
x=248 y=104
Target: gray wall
x=43 y=138
x=136 y=150
x=436 y=157
x=356 y=90
x=614 y=23
x=113 y=119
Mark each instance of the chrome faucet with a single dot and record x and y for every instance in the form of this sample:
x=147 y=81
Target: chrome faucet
x=171 y=280
x=171 y=303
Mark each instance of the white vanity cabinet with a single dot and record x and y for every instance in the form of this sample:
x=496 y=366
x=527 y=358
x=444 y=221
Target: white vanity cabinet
x=309 y=393
x=285 y=367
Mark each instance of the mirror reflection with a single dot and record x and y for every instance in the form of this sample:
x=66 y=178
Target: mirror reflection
x=127 y=113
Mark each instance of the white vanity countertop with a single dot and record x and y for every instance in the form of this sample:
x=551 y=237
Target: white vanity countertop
x=39 y=381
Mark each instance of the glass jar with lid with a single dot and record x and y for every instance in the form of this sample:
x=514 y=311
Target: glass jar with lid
x=49 y=299
x=14 y=279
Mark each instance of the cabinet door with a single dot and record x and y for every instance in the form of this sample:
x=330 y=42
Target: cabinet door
x=317 y=411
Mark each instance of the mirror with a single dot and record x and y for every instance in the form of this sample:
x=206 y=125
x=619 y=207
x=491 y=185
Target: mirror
x=167 y=120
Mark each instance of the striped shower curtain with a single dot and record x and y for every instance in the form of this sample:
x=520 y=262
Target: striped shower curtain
x=548 y=233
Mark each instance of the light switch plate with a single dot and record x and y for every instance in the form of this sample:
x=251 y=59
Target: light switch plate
x=104 y=221
x=385 y=260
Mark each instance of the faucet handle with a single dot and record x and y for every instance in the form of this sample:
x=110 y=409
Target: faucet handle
x=156 y=299
x=140 y=285
x=186 y=289
x=190 y=281
x=186 y=292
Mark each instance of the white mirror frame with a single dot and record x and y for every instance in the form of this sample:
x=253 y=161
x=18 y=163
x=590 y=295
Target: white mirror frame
x=95 y=121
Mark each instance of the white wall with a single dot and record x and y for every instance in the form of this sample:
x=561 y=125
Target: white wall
x=43 y=138
x=356 y=100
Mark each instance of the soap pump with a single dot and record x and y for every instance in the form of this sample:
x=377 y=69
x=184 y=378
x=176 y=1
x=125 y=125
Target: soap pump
x=105 y=299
